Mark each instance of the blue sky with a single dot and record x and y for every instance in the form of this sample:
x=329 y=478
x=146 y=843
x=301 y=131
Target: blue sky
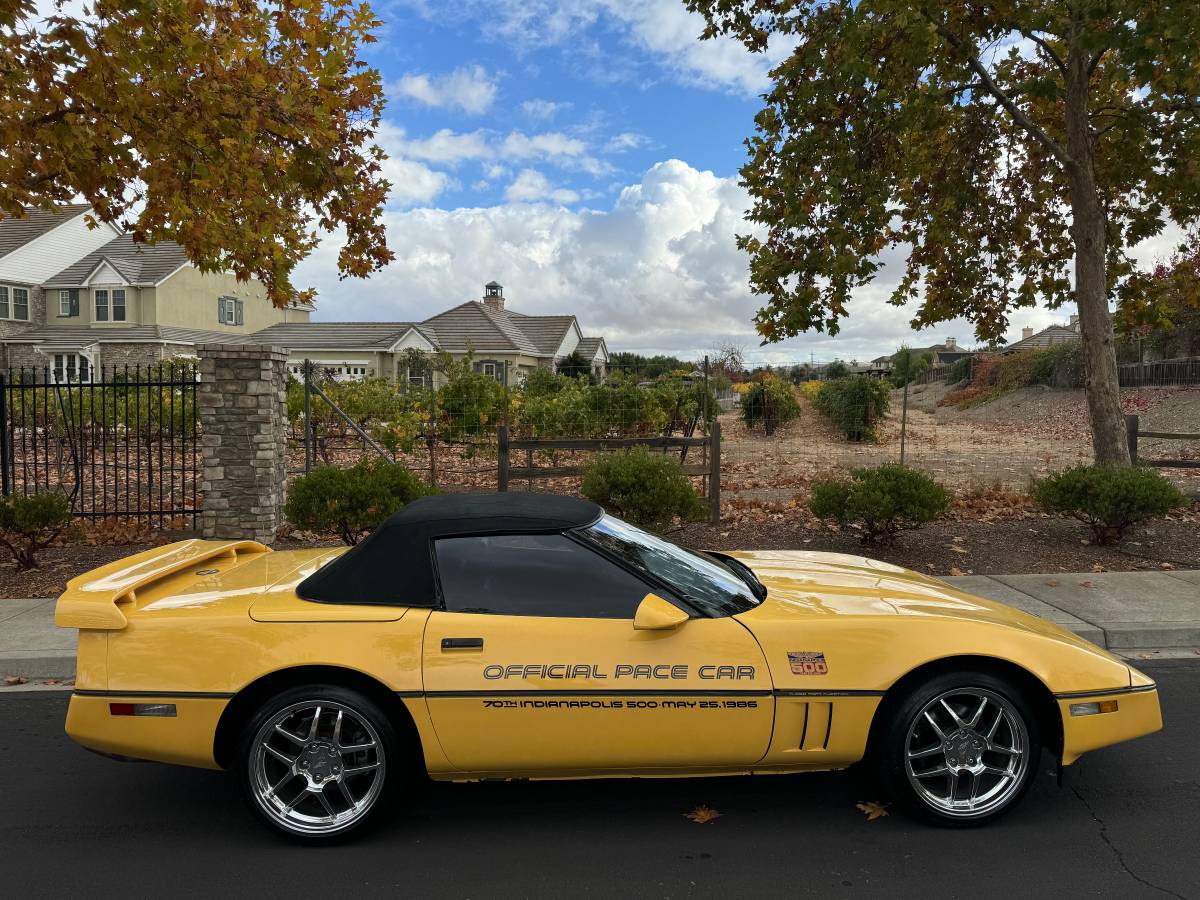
x=584 y=153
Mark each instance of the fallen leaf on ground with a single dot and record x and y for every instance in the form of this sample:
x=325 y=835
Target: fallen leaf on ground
x=702 y=815
x=1165 y=566
x=16 y=679
x=955 y=570
x=956 y=548
x=872 y=809
x=1053 y=582
x=1087 y=584
x=1098 y=567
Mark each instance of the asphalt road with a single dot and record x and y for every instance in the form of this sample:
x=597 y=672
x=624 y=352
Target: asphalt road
x=1126 y=824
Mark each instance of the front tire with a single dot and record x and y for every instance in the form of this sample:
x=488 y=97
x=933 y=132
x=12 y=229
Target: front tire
x=317 y=761
x=960 y=750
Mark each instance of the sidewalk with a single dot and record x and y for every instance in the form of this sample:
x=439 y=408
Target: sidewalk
x=1127 y=612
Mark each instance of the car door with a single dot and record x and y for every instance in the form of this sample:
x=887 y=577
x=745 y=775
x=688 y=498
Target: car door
x=533 y=665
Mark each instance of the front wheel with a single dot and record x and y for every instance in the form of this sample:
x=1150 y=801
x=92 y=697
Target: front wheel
x=316 y=761
x=961 y=749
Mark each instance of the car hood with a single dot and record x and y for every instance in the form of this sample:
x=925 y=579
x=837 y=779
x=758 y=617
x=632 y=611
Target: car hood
x=803 y=584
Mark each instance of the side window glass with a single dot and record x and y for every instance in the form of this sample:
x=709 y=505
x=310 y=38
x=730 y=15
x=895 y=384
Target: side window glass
x=534 y=575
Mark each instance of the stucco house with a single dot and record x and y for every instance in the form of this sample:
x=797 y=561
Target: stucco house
x=124 y=303
x=495 y=337
x=34 y=247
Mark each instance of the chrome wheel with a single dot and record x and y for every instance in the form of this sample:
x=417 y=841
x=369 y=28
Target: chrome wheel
x=317 y=767
x=967 y=752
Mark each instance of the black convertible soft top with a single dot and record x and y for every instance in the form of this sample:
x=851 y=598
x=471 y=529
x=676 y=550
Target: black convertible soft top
x=394 y=565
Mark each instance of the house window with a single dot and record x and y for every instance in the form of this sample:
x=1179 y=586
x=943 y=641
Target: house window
x=492 y=369
x=229 y=311
x=14 y=303
x=101 y=306
x=64 y=303
x=71 y=367
x=118 y=306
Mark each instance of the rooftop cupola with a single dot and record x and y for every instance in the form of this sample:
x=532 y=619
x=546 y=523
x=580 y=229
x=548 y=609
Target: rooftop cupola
x=493 y=295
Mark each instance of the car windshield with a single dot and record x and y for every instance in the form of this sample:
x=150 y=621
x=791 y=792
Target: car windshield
x=705 y=583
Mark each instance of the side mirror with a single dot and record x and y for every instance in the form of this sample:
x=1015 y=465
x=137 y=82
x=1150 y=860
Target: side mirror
x=656 y=614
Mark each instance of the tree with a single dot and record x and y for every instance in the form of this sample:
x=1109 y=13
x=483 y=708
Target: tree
x=1011 y=148
x=837 y=369
x=573 y=365
x=236 y=129
x=908 y=364
x=729 y=359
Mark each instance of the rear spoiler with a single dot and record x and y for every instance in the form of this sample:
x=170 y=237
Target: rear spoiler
x=93 y=600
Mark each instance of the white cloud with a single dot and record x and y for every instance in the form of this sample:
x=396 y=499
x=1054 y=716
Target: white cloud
x=663 y=27
x=531 y=185
x=543 y=110
x=470 y=89
x=657 y=271
x=626 y=140
x=448 y=147
x=412 y=181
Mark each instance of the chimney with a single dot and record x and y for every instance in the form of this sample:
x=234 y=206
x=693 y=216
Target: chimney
x=493 y=296
x=1026 y=333
x=951 y=343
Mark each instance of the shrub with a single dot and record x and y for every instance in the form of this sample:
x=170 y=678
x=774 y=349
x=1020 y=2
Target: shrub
x=854 y=404
x=648 y=489
x=810 y=389
x=472 y=403
x=961 y=370
x=882 y=500
x=30 y=524
x=770 y=402
x=352 y=502
x=837 y=369
x=1108 y=498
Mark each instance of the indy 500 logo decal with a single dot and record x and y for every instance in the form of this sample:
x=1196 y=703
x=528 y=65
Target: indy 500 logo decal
x=804 y=662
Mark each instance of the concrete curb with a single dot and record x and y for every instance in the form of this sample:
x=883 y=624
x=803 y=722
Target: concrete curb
x=1125 y=612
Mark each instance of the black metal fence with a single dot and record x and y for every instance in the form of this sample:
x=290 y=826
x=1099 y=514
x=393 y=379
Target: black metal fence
x=125 y=443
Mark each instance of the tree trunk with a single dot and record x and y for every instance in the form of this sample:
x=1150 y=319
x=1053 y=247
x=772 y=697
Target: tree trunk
x=1109 y=442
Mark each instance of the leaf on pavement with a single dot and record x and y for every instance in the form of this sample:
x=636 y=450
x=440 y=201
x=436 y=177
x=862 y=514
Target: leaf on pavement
x=955 y=570
x=872 y=809
x=702 y=815
x=16 y=679
x=1053 y=582
x=1087 y=584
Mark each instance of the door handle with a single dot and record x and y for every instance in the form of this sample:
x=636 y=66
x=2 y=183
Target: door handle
x=462 y=643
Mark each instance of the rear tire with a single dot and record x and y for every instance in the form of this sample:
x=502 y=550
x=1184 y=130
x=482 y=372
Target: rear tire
x=317 y=762
x=959 y=750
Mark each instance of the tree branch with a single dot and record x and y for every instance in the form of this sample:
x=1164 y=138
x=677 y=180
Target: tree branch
x=1036 y=132
x=1095 y=60
x=1048 y=50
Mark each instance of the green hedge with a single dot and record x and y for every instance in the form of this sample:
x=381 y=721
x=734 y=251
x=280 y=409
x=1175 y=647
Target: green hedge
x=351 y=503
x=854 y=404
x=881 y=501
x=1108 y=498
x=645 y=488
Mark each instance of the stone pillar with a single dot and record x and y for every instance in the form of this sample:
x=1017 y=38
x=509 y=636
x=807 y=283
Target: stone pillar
x=242 y=399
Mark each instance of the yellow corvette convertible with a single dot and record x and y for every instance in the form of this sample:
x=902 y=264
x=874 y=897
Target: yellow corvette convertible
x=532 y=636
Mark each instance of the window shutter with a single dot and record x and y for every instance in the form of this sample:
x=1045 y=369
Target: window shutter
x=73 y=302
x=237 y=308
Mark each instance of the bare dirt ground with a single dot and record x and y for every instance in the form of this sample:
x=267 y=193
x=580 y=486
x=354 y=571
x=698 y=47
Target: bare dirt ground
x=999 y=444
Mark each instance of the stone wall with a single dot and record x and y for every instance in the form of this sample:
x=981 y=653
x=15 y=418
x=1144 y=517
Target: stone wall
x=242 y=399
x=14 y=327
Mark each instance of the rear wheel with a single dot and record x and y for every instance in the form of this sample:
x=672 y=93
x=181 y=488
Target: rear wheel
x=960 y=749
x=317 y=761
